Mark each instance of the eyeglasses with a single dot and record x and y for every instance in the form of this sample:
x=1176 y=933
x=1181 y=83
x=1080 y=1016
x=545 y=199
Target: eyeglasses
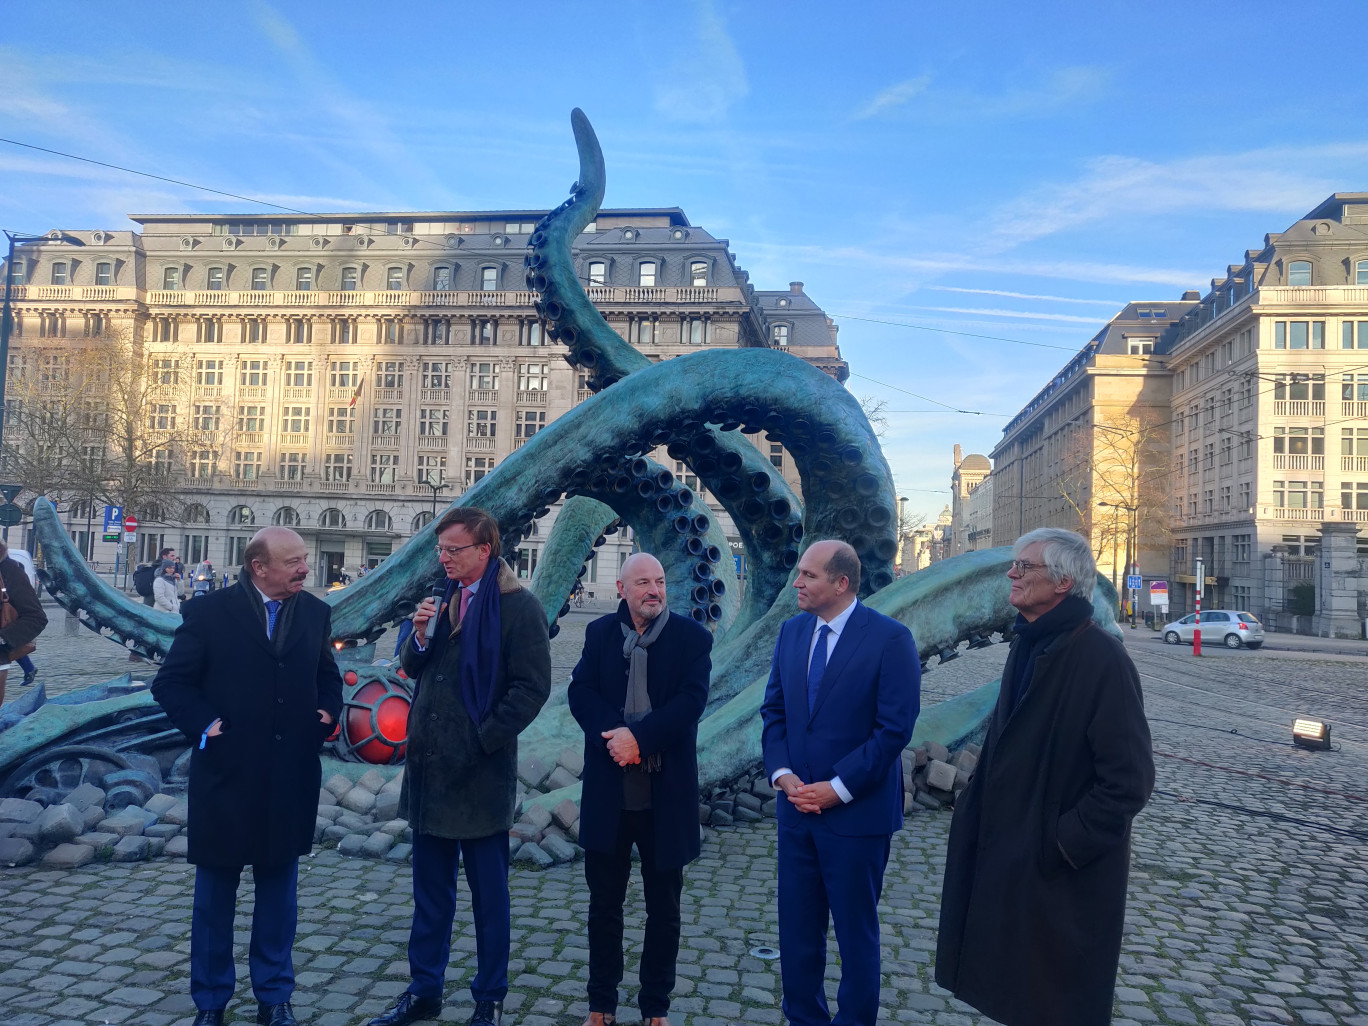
x=1020 y=566
x=451 y=550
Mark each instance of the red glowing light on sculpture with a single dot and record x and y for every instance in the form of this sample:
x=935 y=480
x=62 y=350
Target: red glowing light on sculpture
x=375 y=721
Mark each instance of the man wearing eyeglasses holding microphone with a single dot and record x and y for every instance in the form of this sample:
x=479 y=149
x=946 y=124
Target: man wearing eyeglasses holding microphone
x=480 y=657
x=1036 y=869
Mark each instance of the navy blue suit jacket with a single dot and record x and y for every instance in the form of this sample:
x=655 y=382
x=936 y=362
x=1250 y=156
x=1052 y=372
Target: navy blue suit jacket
x=862 y=720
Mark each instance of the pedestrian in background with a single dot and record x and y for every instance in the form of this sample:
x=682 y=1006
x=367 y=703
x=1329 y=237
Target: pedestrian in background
x=164 y=595
x=842 y=699
x=22 y=557
x=480 y=660
x=21 y=614
x=250 y=679
x=638 y=691
x=1039 y=853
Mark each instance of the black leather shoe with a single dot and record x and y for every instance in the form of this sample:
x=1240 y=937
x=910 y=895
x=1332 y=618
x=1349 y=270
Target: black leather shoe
x=276 y=1015
x=487 y=1013
x=409 y=1008
x=210 y=1017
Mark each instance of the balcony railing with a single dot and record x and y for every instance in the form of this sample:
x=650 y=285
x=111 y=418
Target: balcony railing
x=295 y=439
x=480 y=443
x=252 y=391
x=245 y=484
x=384 y=441
x=583 y=394
x=389 y=395
x=1299 y=461
x=483 y=395
x=58 y=293
x=1356 y=464
x=334 y=486
x=433 y=441
x=1354 y=409
x=298 y=392
x=435 y=395
x=379 y=489
x=250 y=437
x=532 y=397
x=341 y=441
x=1298 y=408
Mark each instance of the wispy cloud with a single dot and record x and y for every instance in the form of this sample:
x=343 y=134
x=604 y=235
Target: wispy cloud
x=1026 y=295
x=1110 y=187
x=1056 y=89
x=1025 y=315
x=895 y=96
x=714 y=78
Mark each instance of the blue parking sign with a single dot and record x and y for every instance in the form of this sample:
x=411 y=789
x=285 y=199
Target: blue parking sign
x=113 y=518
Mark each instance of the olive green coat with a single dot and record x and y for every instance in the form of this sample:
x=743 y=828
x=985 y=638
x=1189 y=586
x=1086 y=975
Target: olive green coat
x=460 y=779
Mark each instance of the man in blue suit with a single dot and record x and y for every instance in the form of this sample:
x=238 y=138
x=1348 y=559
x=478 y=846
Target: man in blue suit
x=842 y=698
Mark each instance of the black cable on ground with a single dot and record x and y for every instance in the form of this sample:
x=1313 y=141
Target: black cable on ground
x=1263 y=814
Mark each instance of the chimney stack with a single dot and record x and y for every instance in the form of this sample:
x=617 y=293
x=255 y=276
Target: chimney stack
x=796 y=287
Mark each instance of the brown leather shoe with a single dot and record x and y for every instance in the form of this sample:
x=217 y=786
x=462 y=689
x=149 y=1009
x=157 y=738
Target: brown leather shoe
x=600 y=1019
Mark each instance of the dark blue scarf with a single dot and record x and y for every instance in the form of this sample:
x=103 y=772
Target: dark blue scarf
x=1034 y=635
x=479 y=642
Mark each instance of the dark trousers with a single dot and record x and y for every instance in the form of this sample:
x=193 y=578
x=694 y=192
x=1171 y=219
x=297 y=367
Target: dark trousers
x=269 y=958
x=826 y=878
x=606 y=873
x=436 y=861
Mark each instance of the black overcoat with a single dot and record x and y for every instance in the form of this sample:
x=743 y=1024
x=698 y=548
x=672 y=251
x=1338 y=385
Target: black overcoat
x=460 y=778
x=253 y=788
x=1039 y=853
x=31 y=619
x=678 y=668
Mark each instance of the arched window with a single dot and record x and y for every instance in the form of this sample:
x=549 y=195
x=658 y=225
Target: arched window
x=698 y=273
x=286 y=516
x=332 y=517
x=377 y=520
x=241 y=516
x=196 y=514
x=422 y=520
x=1299 y=272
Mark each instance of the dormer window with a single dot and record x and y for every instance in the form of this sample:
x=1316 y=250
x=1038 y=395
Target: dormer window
x=59 y=273
x=441 y=278
x=1361 y=273
x=394 y=279
x=646 y=274
x=628 y=235
x=781 y=335
x=260 y=279
x=350 y=277
x=170 y=278
x=698 y=273
x=214 y=279
x=104 y=273
x=304 y=279
x=489 y=279
x=598 y=272
x=1299 y=272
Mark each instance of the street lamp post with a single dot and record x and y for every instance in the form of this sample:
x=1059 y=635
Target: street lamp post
x=427 y=480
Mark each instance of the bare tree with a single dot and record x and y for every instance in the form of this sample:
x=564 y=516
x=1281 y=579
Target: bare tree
x=876 y=412
x=103 y=420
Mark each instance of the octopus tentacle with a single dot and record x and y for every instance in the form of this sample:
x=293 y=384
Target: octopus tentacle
x=82 y=593
x=766 y=512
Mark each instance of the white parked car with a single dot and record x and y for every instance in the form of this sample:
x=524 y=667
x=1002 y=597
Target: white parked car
x=1225 y=626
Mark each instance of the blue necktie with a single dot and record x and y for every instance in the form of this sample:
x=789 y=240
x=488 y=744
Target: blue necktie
x=272 y=611
x=818 y=666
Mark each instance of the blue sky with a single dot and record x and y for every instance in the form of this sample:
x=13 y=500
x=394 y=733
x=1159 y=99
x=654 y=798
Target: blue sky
x=985 y=168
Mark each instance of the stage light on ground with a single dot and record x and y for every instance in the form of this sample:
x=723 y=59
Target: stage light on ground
x=1311 y=734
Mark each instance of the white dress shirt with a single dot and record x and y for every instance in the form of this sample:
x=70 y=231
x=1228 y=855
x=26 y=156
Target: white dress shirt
x=836 y=624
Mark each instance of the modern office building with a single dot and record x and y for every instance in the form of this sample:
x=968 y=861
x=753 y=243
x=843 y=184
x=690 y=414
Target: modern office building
x=348 y=374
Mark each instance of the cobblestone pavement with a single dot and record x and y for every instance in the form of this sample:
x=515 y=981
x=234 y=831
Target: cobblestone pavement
x=1248 y=902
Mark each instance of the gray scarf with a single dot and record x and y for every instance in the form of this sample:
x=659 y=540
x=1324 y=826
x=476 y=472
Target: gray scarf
x=638 y=704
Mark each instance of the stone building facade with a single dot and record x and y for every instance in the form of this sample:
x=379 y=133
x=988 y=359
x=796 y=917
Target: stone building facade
x=352 y=373
x=966 y=534
x=1270 y=422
